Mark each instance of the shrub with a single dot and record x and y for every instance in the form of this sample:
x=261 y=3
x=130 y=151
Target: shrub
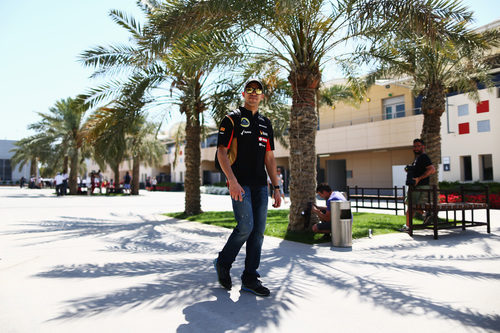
x=214 y=190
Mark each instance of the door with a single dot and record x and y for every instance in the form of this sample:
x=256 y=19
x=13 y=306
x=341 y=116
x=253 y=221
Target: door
x=336 y=174
x=398 y=175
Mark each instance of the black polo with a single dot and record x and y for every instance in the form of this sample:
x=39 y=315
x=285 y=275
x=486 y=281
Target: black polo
x=421 y=163
x=255 y=137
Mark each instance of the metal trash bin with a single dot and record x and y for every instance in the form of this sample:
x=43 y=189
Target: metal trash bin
x=341 y=223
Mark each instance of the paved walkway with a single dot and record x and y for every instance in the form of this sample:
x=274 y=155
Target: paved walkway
x=113 y=264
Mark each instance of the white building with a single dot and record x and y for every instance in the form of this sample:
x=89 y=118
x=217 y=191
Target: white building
x=470 y=134
x=10 y=173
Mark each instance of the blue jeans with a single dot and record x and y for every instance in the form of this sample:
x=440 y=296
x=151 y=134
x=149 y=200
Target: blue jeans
x=251 y=214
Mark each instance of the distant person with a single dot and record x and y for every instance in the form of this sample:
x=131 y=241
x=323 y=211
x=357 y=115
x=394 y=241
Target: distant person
x=59 y=183
x=32 y=182
x=421 y=169
x=65 y=183
x=126 y=183
x=22 y=181
x=154 y=182
x=280 y=178
x=88 y=184
x=324 y=213
x=99 y=180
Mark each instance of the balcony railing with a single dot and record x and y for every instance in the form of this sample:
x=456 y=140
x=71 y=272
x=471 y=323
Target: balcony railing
x=374 y=118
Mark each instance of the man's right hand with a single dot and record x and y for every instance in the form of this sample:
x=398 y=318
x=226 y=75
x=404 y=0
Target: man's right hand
x=236 y=191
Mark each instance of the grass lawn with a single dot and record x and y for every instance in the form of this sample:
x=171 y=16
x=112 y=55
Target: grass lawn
x=277 y=222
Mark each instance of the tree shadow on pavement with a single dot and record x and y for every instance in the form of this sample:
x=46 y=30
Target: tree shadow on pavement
x=247 y=314
x=399 y=298
x=187 y=279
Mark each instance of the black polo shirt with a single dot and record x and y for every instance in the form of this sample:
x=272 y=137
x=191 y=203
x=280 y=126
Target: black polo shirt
x=421 y=163
x=255 y=137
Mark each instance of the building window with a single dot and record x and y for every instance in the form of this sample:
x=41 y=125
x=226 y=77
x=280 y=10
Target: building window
x=394 y=107
x=5 y=170
x=463 y=128
x=463 y=110
x=486 y=167
x=466 y=165
x=483 y=125
x=348 y=174
x=483 y=106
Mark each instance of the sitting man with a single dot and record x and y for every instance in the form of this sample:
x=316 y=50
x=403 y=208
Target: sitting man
x=324 y=213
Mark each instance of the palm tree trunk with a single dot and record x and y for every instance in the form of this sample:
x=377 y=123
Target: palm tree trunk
x=193 y=161
x=66 y=164
x=303 y=126
x=33 y=167
x=73 y=174
x=135 y=175
x=433 y=106
x=116 y=172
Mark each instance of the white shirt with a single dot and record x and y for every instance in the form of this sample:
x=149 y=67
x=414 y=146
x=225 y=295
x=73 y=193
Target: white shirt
x=59 y=179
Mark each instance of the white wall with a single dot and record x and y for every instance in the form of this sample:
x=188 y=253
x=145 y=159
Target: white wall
x=474 y=144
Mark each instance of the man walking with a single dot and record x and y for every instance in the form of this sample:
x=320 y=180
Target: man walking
x=247 y=182
x=59 y=183
x=126 y=183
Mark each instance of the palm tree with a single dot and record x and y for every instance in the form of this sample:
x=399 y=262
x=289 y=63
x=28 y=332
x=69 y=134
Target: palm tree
x=118 y=130
x=29 y=150
x=302 y=36
x=444 y=55
x=162 y=60
x=63 y=127
x=145 y=149
x=105 y=133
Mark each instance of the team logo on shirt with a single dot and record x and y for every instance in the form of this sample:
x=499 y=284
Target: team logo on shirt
x=263 y=133
x=245 y=122
x=261 y=139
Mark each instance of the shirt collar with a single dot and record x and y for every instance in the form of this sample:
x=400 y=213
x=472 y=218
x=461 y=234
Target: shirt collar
x=248 y=113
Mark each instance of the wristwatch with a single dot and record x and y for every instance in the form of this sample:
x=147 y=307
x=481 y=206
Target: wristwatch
x=276 y=187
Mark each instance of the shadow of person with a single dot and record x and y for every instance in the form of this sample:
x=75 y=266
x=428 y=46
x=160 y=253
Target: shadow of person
x=247 y=313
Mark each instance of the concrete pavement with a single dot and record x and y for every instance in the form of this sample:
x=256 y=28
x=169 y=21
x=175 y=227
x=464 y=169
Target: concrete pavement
x=113 y=264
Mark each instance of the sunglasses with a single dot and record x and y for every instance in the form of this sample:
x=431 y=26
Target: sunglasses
x=250 y=90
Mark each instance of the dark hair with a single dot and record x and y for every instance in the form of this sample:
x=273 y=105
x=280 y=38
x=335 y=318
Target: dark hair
x=323 y=187
x=420 y=141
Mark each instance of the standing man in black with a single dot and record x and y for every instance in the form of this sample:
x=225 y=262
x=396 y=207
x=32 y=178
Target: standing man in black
x=247 y=182
x=423 y=168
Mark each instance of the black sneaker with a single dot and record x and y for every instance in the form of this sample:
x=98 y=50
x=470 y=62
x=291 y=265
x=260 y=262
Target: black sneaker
x=326 y=238
x=256 y=288
x=223 y=275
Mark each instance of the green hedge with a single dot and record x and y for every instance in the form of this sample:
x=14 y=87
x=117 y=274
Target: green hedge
x=493 y=187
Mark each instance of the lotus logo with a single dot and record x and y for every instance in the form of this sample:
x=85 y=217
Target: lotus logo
x=245 y=122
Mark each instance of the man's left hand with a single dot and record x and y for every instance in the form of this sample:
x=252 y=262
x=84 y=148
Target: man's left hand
x=277 y=198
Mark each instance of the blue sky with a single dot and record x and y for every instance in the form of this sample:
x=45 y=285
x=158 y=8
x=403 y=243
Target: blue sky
x=40 y=43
